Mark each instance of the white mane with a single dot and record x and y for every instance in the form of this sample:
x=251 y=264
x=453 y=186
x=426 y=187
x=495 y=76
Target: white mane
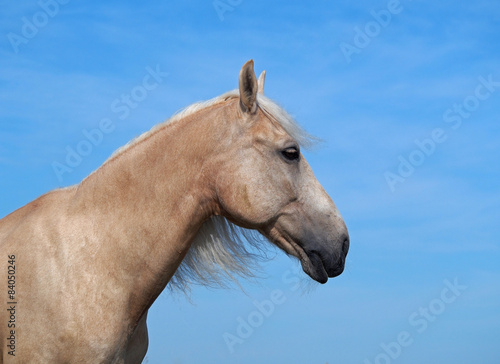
x=221 y=251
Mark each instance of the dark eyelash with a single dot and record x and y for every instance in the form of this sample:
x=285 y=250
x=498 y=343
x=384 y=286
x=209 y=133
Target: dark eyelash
x=291 y=154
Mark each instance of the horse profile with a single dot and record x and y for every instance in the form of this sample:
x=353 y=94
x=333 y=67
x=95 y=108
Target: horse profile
x=167 y=208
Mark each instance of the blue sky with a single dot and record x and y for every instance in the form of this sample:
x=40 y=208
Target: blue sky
x=425 y=73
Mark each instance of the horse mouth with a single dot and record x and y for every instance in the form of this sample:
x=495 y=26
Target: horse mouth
x=316 y=269
x=313 y=263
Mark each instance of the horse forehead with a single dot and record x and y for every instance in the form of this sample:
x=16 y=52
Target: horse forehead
x=268 y=129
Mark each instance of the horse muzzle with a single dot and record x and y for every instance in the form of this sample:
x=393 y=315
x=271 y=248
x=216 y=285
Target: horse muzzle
x=321 y=264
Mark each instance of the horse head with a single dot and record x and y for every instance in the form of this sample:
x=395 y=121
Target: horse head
x=264 y=182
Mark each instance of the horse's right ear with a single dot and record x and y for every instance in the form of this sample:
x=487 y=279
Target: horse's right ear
x=248 y=88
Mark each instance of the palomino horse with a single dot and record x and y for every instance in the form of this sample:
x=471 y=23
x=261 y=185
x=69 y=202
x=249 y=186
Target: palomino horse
x=86 y=262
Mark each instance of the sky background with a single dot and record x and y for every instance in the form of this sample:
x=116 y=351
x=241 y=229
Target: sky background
x=372 y=98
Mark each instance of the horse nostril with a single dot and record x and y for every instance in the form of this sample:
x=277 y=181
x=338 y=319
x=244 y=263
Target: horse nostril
x=345 y=245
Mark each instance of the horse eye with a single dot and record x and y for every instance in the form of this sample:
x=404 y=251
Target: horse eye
x=291 y=154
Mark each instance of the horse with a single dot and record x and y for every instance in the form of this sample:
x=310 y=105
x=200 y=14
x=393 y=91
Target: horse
x=86 y=262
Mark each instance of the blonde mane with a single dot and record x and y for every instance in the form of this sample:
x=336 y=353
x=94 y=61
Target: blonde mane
x=268 y=106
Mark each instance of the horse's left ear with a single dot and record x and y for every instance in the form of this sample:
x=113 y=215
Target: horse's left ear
x=248 y=88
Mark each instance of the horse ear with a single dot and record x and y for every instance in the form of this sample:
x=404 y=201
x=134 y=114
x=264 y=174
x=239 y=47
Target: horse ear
x=262 y=80
x=248 y=88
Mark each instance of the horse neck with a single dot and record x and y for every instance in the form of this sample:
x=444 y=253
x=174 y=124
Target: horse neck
x=147 y=203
